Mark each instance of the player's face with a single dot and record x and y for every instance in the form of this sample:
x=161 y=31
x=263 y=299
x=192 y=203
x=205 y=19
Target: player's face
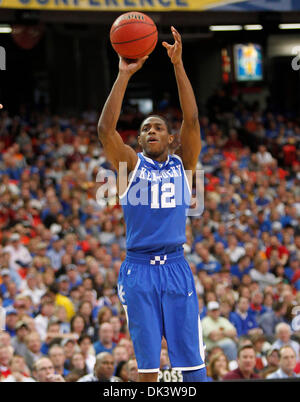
x=154 y=137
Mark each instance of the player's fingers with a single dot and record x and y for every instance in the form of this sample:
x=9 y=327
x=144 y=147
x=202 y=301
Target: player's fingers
x=173 y=33
x=176 y=35
x=143 y=59
x=166 y=45
x=1 y=106
x=174 y=30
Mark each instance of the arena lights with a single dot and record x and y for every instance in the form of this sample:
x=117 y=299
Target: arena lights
x=253 y=27
x=5 y=28
x=216 y=28
x=289 y=26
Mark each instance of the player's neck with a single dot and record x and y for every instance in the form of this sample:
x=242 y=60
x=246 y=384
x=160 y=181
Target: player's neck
x=160 y=158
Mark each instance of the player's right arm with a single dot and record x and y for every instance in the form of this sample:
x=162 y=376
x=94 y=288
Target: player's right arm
x=115 y=149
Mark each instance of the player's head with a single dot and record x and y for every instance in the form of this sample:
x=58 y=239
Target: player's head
x=154 y=136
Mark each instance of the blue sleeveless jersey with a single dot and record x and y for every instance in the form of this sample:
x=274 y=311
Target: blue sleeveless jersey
x=155 y=205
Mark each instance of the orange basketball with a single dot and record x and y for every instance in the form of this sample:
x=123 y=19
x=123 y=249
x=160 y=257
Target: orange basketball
x=133 y=35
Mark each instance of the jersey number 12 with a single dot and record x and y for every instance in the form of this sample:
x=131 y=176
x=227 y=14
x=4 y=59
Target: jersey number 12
x=167 y=199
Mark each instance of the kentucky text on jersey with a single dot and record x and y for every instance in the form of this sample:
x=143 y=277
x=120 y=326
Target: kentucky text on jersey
x=155 y=204
x=153 y=175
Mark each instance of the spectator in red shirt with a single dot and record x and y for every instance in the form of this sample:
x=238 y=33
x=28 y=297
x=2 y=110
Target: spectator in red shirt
x=246 y=364
x=297 y=368
x=5 y=356
x=256 y=303
x=233 y=141
x=277 y=248
x=295 y=267
x=19 y=370
x=289 y=152
x=258 y=341
x=116 y=324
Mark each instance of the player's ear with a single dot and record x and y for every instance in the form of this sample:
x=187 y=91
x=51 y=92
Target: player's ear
x=139 y=140
x=170 y=138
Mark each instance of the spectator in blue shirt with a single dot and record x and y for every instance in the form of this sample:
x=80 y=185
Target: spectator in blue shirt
x=256 y=303
x=56 y=252
x=5 y=275
x=268 y=321
x=208 y=264
x=105 y=342
x=264 y=224
x=205 y=235
x=14 y=172
x=272 y=130
x=242 y=267
x=220 y=235
x=57 y=356
x=11 y=321
x=73 y=275
x=287 y=218
x=261 y=200
x=244 y=321
x=9 y=296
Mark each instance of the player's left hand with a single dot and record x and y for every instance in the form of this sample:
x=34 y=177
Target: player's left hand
x=174 y=51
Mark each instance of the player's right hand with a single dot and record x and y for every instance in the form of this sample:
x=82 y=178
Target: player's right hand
x=130 y=66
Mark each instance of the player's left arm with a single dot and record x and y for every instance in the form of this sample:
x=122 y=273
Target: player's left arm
x=190 y=139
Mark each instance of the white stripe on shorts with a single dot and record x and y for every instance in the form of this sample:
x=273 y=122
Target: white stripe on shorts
x=189 y=368
x=148 y=370
x=125 y=309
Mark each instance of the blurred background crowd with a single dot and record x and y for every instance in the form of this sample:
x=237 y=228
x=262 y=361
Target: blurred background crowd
x=61 y=246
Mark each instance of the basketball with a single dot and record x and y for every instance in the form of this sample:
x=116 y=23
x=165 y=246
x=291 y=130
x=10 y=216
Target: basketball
x=133 y=35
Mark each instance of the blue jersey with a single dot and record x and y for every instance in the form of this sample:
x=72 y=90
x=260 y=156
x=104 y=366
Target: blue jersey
x=155 y=205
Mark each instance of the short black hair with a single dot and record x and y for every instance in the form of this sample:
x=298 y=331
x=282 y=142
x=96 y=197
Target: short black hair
x=119 y=367
x=159 y=117
x=83 y=337
x=277 y=305
x=53 y=288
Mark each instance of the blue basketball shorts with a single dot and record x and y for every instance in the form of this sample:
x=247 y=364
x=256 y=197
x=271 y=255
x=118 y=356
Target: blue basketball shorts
x=159 y=297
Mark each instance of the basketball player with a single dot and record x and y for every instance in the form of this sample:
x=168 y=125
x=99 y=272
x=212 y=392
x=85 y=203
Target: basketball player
x=155 y=283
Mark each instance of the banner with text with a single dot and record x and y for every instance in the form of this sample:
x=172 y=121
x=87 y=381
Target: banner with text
x=153 y=5
x=115 y=5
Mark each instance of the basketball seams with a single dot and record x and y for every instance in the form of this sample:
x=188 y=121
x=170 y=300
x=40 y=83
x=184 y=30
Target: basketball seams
x=129 y=23
x=134 y=40
x=139 y=54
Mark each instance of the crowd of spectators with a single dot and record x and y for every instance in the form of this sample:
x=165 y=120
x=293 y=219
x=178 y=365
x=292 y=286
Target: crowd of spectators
x=62 y=245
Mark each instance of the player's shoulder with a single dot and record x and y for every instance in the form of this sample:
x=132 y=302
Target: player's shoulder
x=175 y=159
